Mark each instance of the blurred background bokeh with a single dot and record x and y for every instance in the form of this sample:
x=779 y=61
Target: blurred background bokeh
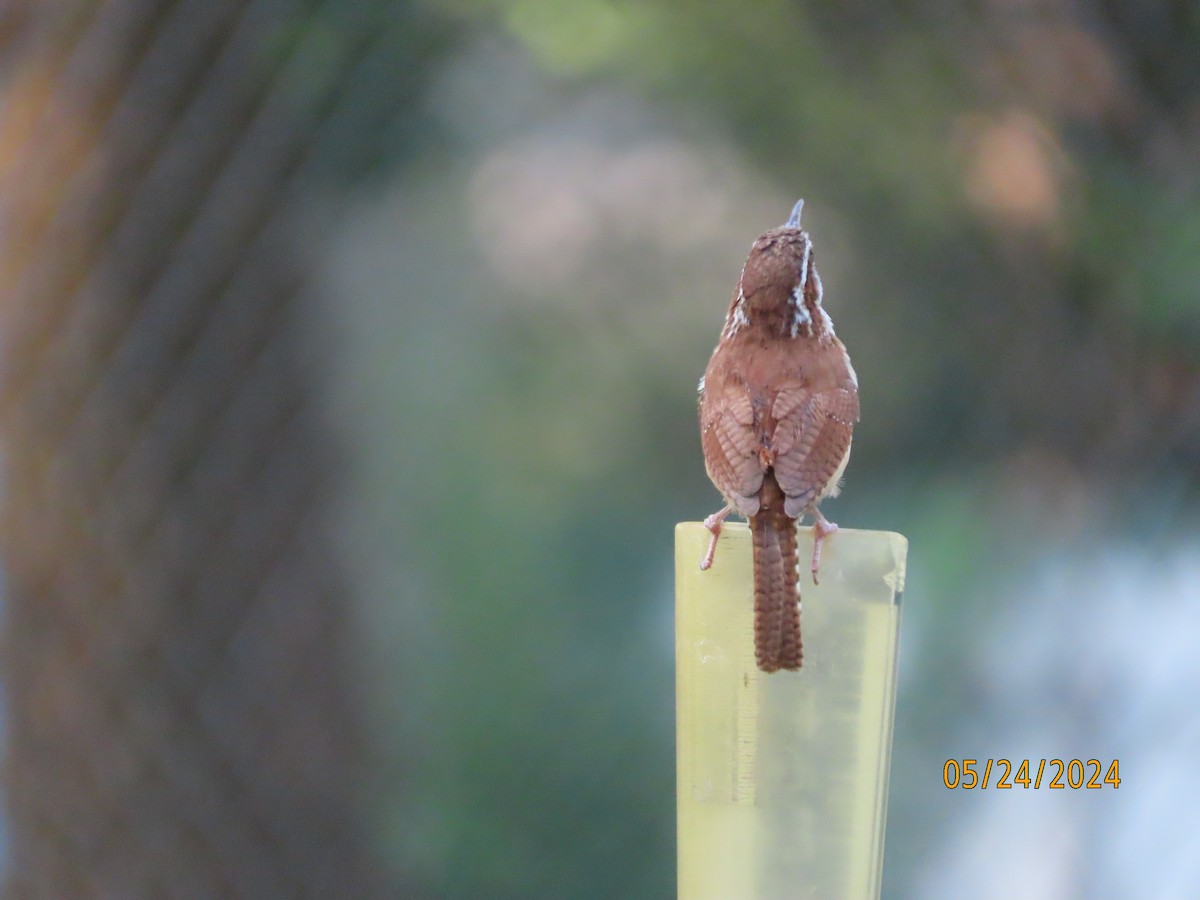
x=349 y=365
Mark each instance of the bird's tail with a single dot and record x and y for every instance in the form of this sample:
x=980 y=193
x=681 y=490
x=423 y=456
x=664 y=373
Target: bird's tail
x=776 y=595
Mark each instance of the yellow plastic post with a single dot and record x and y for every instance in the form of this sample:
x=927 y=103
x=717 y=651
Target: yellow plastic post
x=782 y=778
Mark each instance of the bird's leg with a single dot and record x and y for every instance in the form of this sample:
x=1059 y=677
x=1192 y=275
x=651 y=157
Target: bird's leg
x=822 y=527
x=713 y=524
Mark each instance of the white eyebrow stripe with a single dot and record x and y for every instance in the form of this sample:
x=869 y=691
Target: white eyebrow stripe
x=737 y=317
x=804 y=262
x=800 y=314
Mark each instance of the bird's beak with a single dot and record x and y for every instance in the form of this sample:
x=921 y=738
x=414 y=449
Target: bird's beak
x=794 y=219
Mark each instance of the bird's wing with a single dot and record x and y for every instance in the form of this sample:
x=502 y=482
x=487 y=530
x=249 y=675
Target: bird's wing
x=732 y=446
x=810 y=441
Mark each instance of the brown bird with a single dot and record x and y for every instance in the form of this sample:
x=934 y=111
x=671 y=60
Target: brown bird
x=778 y=403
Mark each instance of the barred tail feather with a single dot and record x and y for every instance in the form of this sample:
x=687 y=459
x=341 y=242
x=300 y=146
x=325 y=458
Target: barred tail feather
x=777 y=642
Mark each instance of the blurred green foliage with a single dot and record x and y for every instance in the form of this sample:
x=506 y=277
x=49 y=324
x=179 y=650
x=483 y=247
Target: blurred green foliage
x=1004 y=201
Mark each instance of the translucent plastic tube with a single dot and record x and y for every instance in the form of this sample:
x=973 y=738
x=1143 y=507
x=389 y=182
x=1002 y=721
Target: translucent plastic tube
x=782 y=778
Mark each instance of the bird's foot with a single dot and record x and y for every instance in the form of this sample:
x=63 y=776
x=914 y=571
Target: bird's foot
x=822 y=528
x=713 y=524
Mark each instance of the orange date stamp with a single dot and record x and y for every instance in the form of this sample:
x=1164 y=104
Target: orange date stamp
x=1055 y=774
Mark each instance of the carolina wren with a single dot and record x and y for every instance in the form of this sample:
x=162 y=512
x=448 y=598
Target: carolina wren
x=778 y=403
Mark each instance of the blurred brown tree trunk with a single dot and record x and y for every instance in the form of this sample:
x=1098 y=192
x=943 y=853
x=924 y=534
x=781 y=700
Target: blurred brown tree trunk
x=179 y=713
